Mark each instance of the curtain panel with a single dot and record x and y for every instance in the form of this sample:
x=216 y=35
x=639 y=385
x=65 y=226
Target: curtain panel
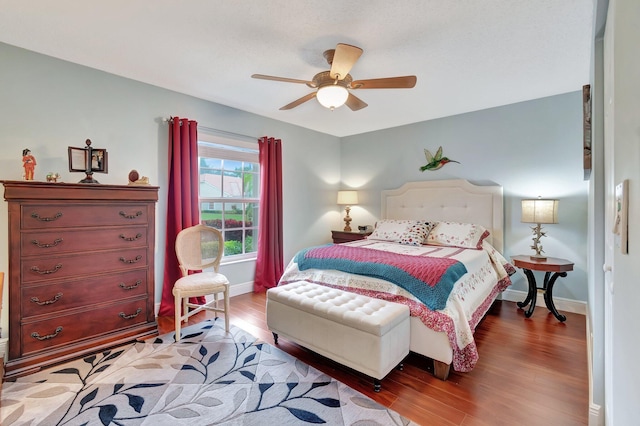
x=269 y=261
x=182 y=203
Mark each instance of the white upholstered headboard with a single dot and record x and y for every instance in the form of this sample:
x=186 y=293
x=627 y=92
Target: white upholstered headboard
x=455 y=200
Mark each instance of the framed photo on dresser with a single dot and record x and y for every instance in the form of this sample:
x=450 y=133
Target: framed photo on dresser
x=88 y=160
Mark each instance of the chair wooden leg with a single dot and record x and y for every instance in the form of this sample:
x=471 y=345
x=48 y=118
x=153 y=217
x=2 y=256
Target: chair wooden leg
x=215 y=304
x=226 y=309
x=178 y=305
x=185 y=309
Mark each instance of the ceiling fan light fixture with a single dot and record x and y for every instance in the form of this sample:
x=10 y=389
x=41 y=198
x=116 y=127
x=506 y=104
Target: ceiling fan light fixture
x=332 y=96
x=333 y=87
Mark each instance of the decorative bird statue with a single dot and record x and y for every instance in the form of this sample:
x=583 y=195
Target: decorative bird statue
x=435 y=162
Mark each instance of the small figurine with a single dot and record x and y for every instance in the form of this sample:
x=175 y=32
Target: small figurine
x=133 y=176
x=136 y=179
x=29 y=164
x=53 y=177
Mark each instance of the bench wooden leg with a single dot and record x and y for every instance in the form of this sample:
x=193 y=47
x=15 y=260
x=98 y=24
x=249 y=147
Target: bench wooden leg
x=441 y=370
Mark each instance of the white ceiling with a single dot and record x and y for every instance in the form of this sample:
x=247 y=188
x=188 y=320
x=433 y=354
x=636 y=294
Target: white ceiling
x=467 y=54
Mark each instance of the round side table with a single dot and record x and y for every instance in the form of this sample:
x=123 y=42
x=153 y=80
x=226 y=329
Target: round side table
x=553 y=268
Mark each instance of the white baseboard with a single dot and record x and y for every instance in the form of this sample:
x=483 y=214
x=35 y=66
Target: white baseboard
x=234 y=290
x=596 y=417
x=568 y=305
x=562 y=304
x=238 y=289
x=3 y=347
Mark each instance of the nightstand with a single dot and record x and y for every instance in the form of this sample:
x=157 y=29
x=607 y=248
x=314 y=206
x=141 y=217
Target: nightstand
x=552 y=265
x=346 y=236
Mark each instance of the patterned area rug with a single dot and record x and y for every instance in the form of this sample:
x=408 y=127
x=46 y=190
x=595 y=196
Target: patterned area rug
x=210 y=377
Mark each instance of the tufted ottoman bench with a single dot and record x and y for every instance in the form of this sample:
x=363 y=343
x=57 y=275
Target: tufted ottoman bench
x=367 y=334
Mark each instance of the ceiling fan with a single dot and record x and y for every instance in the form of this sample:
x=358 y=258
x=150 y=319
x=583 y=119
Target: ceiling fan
x=333 y=86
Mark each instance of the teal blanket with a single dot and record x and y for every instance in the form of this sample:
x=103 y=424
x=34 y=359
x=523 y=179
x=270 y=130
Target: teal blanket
x=429 y=279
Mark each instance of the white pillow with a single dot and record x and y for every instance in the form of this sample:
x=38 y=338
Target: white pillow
x=456 y=234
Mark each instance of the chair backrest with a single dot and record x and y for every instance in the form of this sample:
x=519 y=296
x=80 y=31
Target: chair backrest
x=199 y=247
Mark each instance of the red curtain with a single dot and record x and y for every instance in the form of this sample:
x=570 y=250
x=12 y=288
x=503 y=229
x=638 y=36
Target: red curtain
x=182 y=203
x=269 y=262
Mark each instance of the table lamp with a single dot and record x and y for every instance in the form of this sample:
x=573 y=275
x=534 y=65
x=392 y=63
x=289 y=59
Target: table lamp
x=348 y=199
x=539 y=211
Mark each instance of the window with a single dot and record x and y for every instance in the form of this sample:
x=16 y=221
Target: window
x=229 y=192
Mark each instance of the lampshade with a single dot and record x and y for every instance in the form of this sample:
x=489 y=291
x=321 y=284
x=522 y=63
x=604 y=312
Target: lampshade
x=539 y=211
x=332 y=96
x=348 y=198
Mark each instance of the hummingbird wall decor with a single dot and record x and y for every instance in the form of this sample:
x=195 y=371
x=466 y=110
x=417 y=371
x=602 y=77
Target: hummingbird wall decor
x=435 y=162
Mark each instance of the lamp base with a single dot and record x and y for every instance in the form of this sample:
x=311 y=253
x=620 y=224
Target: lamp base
x=537 y=247
x=347 y=220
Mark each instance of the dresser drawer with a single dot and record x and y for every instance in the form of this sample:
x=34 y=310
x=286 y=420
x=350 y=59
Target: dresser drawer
x=73 y=240
x=39 y=216
x=51 y=333
x=55 y=268
x=51 y=299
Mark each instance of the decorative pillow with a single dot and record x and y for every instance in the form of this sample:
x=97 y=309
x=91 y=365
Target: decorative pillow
x=417 y=233
x=410 y=232
x=455 y=234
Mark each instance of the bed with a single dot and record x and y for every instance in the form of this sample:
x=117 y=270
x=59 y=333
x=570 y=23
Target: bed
x=444 y=332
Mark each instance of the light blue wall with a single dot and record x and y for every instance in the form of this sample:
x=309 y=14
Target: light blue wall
x=48 y=104
x=530 y=148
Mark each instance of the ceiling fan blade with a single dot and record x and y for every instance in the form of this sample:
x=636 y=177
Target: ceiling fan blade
x=297 y=102
x=355 y=103
x=344 y=57
x=406 y=82
x=284 y=79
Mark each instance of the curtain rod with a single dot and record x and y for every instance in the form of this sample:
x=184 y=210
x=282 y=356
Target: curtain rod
x=220 y=132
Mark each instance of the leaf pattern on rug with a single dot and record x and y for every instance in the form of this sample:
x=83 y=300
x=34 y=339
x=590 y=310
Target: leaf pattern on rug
x=209 y=377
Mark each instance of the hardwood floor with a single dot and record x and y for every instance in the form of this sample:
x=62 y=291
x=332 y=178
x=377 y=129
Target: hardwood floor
x=532 y=371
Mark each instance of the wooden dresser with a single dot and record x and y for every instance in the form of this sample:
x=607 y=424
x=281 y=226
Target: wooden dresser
x=81 y=270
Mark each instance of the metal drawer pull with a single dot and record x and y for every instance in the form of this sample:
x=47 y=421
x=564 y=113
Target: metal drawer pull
x=131 y=287
x=122 y=315
x=47 y=302
x=137 y=237
x=138 y=257
x=46 y=245
x=36 y=335
x=46 y=219
x=131 y=216
x=48 y=271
